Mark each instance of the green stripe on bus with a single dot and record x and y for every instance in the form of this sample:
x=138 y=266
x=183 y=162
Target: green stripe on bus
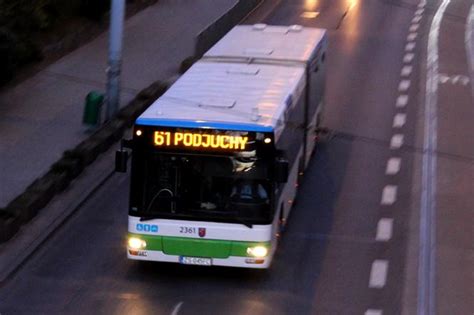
x=196 y=247
x=181 y=246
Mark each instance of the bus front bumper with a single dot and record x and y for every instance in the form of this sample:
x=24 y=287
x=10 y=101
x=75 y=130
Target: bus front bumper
x=231 y=261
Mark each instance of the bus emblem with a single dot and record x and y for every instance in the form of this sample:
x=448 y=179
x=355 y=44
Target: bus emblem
x=202 y=232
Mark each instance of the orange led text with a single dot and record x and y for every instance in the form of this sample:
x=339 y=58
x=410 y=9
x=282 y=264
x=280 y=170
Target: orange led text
x=198 y=140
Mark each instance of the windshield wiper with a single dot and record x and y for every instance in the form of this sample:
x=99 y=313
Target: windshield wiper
x=149 y=217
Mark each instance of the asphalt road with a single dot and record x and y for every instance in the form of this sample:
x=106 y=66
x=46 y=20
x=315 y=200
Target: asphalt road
x=349 y=246
x=454 y=266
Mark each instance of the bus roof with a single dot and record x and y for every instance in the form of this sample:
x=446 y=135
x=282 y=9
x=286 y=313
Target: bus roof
x=269 y=43
x=227 y=96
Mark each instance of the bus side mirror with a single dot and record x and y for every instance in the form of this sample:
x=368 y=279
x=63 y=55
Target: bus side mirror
x=281 y=170
x=121 y=158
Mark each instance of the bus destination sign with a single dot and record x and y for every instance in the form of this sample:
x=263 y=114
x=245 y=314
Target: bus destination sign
x=178 y=139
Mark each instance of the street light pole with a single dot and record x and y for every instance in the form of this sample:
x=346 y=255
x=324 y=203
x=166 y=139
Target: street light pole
x=117 y=14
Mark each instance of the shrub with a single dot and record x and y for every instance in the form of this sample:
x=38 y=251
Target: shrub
x=94 y=9
x=8 y=60
x=27 y=15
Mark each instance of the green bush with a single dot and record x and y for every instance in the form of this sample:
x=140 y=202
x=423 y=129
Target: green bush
x=14 y=52
x=7 y=54
x=27 y=15
x=23 y=21
x=20 y=20
x=94 y=9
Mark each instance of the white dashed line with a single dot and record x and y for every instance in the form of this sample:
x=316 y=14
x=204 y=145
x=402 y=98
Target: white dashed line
x=412 y=36
x=393 y=166
x=309 y=15
x=410 y=46
x=402 y=101
x=396 y=142
x=384 y=230
x=408 y=57
x=399 y=120
x=414 y=27
x=389 y=195
x=404 y=85
x=419 y=11
x=177 y=308
x=406 y=71
x=379 y=270
x=378 y=274
x=416 y=19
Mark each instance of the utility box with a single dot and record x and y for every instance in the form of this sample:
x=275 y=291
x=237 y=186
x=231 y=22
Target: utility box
x=92 y=108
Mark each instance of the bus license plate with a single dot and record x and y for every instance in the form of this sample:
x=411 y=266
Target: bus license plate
x=195 y=261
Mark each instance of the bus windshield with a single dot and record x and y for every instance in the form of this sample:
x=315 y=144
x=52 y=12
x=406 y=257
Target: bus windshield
x=204 y=187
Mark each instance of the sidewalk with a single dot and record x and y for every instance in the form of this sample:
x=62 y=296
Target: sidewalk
x=41 y=117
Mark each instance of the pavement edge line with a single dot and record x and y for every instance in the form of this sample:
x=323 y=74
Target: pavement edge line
x=427 y=255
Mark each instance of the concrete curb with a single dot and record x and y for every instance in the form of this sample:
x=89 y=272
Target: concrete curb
x=70 y=167
x=9 y=225
x=187 y=63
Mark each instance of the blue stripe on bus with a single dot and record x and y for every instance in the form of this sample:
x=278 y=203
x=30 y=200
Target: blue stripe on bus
x=202 y=124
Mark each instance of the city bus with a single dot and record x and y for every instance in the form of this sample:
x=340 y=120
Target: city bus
x=218 y=157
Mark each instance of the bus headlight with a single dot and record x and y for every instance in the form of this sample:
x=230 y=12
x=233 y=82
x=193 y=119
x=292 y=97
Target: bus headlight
x=136 y=243
x=257 y=251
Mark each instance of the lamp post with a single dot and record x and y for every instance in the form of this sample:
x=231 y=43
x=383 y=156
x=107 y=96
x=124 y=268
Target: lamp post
x=117 y=15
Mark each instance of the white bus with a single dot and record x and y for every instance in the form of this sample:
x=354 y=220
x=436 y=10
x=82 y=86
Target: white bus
x=217 y=159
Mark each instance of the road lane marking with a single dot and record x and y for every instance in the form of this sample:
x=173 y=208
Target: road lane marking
x=177 y=308
x=414 y=27
x=427 y=243
x=412 y=36
x=373 y=312
x=396 y=142
x=378 y=274
x=416 y=19
x=399 y=120
x=384 y=230
x=389 y=195
x=453 y=79
x=406 y=71
x=393 y=166
x=410 y=46
x=402 y=101
x=309 y=14
x=404 y=85
x=408 y=57
x=470 y=44
x=419 y=11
